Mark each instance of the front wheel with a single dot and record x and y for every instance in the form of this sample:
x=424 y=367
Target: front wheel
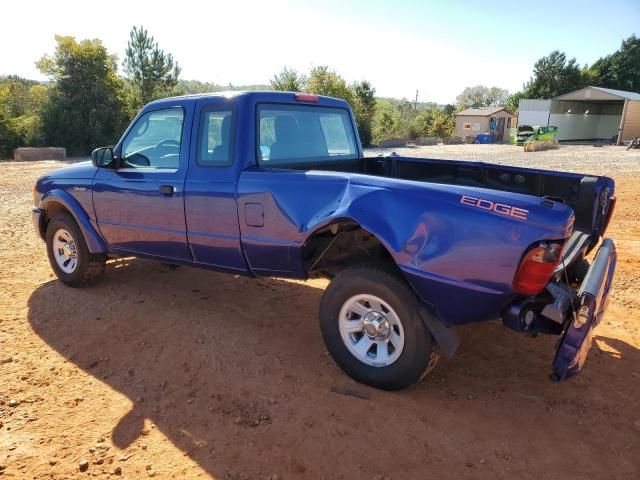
x=68 y=254
x=371 y=326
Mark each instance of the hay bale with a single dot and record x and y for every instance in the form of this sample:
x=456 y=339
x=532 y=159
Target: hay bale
x=539 y=145
x=30 y=154
x=423 y=141
x=393 y=142
x=453 y=140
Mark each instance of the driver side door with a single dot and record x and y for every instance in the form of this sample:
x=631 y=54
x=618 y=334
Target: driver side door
x=140 y=206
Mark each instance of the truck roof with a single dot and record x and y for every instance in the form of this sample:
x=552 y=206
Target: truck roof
x=259 y=95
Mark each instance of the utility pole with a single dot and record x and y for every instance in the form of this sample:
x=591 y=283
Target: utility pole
x=415 y=105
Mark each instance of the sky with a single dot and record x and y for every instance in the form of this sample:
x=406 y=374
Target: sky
x=435 y=47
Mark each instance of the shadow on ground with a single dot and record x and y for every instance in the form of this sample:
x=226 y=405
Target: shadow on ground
x=233 y=371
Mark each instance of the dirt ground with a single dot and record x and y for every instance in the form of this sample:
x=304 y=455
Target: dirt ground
x=188 y=373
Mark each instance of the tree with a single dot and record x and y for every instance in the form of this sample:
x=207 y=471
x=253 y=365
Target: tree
x=481 y=96
x=513 y=102
x=386 y=121
x=364 y=108
x=324 y=81
x=20 y=103
x=85 y=107
x=289 y=80
x=554 y=75
x=442 y=124
x=152 y=73
x=620 y=70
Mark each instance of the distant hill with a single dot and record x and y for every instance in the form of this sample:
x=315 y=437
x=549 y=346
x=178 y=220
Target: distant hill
x=196 y=86
x=421 y=105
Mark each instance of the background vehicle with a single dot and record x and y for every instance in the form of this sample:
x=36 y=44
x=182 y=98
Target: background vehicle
x=276 y=184
x=527 y=132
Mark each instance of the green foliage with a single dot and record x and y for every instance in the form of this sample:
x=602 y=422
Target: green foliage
x=196 y=86
x=386 y=121
x=288 y=80
x=324 y=81
x=481 y=96
x=151 y=72
x=20 y=102
x=85 y=107
x=401 y=119
x=364 y=108
x=620 y=70
x=554 y=75
x=513 y=102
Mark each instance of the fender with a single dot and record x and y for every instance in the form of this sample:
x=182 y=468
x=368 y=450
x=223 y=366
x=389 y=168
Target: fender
x=95 y=243
x=445 y=336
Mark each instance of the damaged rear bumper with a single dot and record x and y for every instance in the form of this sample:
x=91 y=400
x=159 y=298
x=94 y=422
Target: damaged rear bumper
x=571 y=314
x=592 y=302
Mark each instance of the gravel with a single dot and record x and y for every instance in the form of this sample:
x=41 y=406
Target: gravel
x=607 y=160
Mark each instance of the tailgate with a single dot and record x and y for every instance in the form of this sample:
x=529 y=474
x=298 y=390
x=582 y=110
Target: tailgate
x=576 y=338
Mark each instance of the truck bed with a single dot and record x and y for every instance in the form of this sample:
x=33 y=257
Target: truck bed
x=589 y=196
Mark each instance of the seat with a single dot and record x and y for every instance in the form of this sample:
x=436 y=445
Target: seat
x=287 y=134
x=221 y=152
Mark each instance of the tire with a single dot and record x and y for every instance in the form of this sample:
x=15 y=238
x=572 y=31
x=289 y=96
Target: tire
x=390 y=364
x=63 y=239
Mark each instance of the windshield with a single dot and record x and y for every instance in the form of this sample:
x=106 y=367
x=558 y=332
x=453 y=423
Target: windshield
x=298 y=134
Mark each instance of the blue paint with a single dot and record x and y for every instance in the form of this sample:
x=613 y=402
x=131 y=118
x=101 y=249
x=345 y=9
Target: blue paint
x=250 y=220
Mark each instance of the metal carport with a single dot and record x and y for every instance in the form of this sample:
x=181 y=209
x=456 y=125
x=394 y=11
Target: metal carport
x=588 y=114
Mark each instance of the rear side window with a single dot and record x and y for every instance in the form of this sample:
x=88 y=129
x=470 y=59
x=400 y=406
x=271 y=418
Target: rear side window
x=304 y=133
x=216 y=138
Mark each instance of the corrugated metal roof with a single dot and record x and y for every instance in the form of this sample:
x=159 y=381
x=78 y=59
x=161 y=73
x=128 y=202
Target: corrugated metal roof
x=482 y=111
x=587 y=93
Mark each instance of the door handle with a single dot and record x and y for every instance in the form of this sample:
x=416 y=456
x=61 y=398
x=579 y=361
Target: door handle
x=167 y=189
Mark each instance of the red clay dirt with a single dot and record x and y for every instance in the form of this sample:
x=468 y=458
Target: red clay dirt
x=188 y=373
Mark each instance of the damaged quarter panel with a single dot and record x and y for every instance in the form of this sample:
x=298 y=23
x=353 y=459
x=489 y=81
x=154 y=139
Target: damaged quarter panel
x=432 y=236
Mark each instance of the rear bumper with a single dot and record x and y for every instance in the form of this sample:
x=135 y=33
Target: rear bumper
x=591 y=304
x=560 y=310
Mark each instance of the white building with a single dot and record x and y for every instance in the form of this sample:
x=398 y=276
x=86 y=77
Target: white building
x=591 y=113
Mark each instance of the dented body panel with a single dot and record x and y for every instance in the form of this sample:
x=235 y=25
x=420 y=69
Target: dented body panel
x=432 y=237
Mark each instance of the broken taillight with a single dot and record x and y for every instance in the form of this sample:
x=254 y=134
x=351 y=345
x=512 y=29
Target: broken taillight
x=536 y=268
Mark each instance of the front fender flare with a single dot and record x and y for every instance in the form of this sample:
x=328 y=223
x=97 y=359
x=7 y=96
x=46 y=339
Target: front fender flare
x=94 y=241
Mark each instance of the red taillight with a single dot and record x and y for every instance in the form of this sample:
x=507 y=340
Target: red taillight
x=307 y=97
x=536 y=268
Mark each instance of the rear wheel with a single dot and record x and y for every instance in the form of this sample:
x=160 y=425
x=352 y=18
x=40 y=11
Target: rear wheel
x=371 y=326
x=68 y=254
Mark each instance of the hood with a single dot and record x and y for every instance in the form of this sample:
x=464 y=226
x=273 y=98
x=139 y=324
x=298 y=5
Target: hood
x=80 y=170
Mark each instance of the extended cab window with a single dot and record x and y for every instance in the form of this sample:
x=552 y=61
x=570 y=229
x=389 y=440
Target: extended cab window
x=154 y=141
x=304 y=134
x=216 y=146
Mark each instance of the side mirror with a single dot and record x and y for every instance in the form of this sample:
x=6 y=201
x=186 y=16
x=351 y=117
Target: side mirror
x=103 y=158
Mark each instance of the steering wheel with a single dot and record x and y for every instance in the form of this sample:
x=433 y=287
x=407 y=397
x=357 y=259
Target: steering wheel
x=167 y=145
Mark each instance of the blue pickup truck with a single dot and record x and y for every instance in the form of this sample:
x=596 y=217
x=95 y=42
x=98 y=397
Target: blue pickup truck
x=276 y=184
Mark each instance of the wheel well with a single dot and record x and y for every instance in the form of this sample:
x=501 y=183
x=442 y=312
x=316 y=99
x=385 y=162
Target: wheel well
x=340 y=245
x=50 y=211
